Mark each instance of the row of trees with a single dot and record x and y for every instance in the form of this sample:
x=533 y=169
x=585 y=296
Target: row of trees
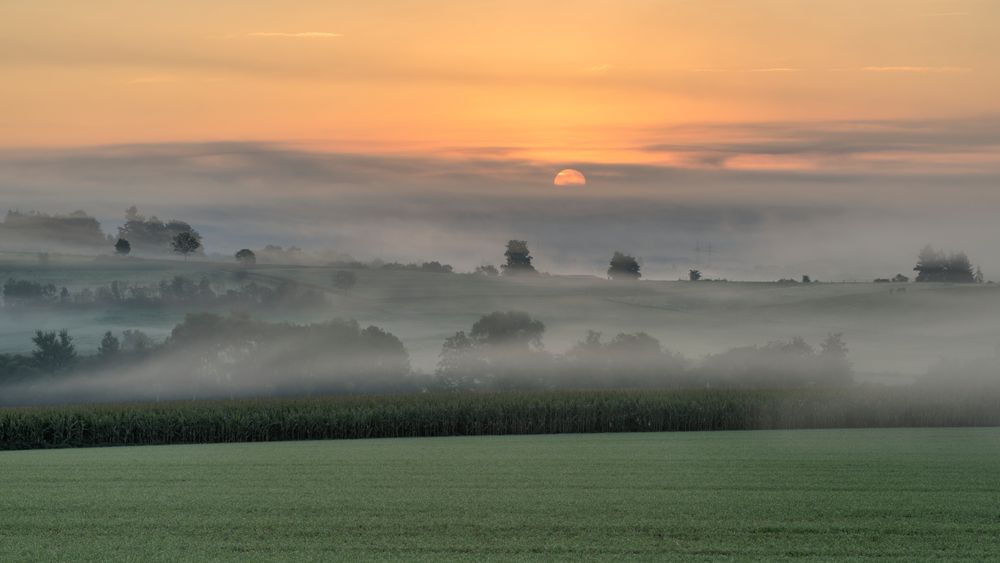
x=504 y=350
x=936 y=266
x=176 y=291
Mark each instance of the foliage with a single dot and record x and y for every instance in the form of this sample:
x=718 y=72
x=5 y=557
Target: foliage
x=503 y=350
x=53 y=351
x=451 y=414
x=518 y=259
x=153 y=236
x=185 y=243
x=623 y=267
x=934 y=266
x=694 y=275
x=246 y=257
x=25 y=292
x=488 y=270
x=31 y=229
x=123 y=247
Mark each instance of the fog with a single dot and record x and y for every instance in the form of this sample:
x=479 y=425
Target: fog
x=871 y=194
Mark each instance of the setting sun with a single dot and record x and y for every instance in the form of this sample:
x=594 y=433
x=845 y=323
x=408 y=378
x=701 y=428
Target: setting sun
x=570 y=177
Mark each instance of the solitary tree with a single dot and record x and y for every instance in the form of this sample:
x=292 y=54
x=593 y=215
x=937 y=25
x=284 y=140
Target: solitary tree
x=518 y=259
x=623 y=267
x=694 y=275
x=185 y=243
x=123 y=247
x=246 y=257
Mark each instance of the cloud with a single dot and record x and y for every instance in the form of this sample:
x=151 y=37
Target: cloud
x=764 y=69
x=296 y=34
x=916 y=69
x=903 y=147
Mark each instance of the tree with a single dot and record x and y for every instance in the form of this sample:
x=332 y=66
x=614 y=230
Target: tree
x=900 y=278
x=488 y=270
x=185 y=243
x=694 y=275
x=623 y=267
x=518 y=259
x=959 y=268
x=978 y=276
x=806 y=279
x=510 y=328
x=246 y=257
x=502 y=351
x=123 y=247
x=110 y=346
x=53 y=352
x=934 y=266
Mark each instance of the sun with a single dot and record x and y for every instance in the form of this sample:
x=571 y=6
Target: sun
x=570 y=177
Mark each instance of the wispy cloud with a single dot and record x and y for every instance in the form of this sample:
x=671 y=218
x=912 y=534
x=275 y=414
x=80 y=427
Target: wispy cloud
x=296 y=34
x=764 y=69
x=916 y=69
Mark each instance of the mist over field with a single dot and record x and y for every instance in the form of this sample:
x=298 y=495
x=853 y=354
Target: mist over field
x=858 y=215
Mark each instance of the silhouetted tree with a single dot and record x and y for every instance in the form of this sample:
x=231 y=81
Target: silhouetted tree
x=246 y=257
x=806 y=279
x=488 y=270
x=53 y=351
x=123 y=247
x=624 y=267
x=934 y=266
x=518 y=258
x=978 y=277
x=900 y=278
x=185 y=243
x=694 y=275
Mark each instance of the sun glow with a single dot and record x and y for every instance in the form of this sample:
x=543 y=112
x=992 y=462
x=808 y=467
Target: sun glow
x=570 y=177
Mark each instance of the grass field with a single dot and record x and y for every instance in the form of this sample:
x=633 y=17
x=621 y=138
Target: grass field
x=892 y=495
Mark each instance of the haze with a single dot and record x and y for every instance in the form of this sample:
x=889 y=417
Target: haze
x=410 y=130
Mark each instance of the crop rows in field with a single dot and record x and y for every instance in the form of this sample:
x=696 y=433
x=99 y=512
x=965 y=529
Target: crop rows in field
x=484 y=414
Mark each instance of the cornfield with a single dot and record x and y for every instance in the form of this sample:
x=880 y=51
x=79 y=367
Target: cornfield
x=485 y=414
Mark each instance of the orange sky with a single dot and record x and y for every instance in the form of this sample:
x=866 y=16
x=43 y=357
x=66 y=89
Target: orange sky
x=560 y=81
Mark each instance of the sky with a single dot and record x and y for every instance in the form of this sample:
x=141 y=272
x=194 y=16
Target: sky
x=743 y=124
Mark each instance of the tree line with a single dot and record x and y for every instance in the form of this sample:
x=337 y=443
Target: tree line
x=176 y=291
x=209 y=355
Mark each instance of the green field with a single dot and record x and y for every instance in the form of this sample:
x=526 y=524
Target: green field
x=892 y=495
x=903 y=333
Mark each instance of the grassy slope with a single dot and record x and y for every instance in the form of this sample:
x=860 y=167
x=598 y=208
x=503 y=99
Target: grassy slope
x=901 y=495
x=900 y=332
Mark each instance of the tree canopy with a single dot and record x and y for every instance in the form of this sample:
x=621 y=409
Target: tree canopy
x=624 y=267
